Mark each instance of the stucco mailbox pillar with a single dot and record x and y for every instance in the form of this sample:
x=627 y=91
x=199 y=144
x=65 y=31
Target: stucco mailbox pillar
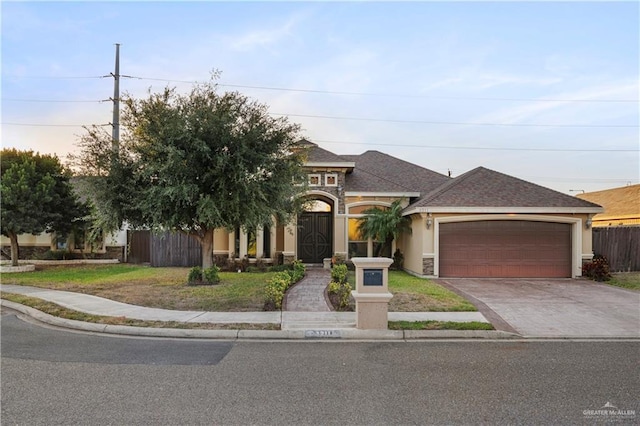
x=372 y=292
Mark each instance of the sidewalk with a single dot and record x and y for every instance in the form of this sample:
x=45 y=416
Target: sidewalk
x=294 y=325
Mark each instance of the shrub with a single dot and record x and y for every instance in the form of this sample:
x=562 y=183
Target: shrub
x=340 y=295
x=276 y=287
x=195 y=276
x=598 y=269
x=281 y=281
x=199 y=277
x=339 y=273
x=210 y=275
x=398 y=260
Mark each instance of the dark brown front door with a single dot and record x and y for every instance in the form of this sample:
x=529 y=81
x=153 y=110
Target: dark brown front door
x=314 y=236
x=505 y=249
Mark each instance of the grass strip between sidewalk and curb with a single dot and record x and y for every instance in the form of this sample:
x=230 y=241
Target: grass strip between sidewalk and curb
x=65 y=313
x=61 y=312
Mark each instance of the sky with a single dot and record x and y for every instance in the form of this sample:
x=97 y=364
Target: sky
x=544 y=91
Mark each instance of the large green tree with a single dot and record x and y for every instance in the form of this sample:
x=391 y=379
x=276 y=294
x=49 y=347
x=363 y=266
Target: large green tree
x=36 y=196
x=384 y=225
x=194 y=162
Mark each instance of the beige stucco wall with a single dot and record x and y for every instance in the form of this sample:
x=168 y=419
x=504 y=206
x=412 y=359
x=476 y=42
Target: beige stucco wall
x=411 y=245
x=42 y=240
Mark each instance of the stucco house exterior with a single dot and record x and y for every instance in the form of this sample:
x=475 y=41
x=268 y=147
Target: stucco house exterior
x=480 y=224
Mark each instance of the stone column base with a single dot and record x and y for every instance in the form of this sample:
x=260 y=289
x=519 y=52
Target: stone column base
x=372 y=310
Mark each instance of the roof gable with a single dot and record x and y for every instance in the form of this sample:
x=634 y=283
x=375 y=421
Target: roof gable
x=482 y=187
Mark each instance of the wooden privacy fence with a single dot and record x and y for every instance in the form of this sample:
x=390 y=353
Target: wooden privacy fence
x=175 y=249
x=620 y=245
x=163 y=248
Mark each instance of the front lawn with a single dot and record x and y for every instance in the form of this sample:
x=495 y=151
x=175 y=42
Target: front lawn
x=413 y=294
x=151 y=287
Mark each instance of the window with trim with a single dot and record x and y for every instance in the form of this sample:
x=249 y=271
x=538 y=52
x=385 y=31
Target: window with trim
x=315 y=179
x=358 y=245
x=252 y=243
x=331 y=179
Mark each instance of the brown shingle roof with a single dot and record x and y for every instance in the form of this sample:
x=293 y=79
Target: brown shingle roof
x=315 y=154
x=482 y=187
x=378 y=172
x=622 y=201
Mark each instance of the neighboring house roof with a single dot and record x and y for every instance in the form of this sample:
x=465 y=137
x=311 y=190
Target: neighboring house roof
x=378 y=172
x=621 y=205
x=483 y=188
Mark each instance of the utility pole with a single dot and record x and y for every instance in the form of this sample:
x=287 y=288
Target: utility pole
x=115 y=135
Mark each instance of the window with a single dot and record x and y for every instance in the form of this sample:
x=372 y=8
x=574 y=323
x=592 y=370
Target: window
x=61 y=242
x=266 y=242
x=357 y=244
x=315 y=179
x=236 y=245
x=252 y=243
x=331 y=179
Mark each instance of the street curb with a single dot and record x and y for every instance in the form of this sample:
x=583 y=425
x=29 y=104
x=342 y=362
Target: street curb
x=287 y=334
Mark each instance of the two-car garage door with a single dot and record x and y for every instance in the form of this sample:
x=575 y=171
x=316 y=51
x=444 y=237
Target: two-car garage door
x=505 y=248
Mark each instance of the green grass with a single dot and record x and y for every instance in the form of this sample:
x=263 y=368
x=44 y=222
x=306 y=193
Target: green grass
x=61 y=312
x=629 y=280
x=413 y=294
x=439 y=325
x=153 y=287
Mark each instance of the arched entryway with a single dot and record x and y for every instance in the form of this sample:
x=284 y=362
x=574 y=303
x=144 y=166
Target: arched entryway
x=315 y=230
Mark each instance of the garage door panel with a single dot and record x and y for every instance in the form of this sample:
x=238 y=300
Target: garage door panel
x=505 y=249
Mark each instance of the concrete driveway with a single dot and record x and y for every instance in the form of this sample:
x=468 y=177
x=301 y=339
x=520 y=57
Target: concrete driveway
x=553 y=307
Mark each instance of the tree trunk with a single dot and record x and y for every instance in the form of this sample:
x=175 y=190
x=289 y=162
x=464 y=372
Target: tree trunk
x=206 y=243
x=14 y=248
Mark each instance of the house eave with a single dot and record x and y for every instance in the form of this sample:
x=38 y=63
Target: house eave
x=381 y=194
x=331 y=164
x=503 y=210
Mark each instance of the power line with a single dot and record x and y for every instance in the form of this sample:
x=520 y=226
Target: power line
x=51 y=77
x=51 y=125
x=54 y=100
x=476 y=147
x=396 y=95
x=456 y=123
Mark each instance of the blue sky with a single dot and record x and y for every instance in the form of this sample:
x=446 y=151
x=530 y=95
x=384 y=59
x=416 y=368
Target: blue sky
x=544 y=91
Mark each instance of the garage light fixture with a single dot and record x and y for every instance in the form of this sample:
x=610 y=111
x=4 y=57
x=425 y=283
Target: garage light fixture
x=588 y=223
x=429 y=221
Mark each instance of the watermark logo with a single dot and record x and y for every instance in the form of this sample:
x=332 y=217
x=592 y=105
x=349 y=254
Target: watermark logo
x=609 y=413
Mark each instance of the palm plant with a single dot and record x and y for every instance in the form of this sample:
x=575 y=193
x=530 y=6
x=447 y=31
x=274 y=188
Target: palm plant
x=384 y=225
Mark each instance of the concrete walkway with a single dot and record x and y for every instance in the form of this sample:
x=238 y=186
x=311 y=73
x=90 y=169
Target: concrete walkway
x=308 y=294
x=288 y=320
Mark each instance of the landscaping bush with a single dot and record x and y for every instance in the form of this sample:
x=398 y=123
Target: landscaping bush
x=339 y=273
x=210 y=275
x=199 y=277
x=195 y=275
x=339 y=288
x=278 y=285
x=398 y=260
x=598 y=269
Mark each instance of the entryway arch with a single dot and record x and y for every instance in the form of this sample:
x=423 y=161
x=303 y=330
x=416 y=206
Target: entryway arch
x=315 y=228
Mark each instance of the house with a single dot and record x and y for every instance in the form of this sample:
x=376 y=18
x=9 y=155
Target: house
x=480 y=224
x=621 y=206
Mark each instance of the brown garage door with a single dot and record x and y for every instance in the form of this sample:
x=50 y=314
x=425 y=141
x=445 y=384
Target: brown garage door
x=505 y=248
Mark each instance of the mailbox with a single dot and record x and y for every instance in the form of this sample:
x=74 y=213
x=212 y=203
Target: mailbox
x=372 y=292
x=372 y=277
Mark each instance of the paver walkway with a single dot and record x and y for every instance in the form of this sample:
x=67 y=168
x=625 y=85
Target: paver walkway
x=308 y=294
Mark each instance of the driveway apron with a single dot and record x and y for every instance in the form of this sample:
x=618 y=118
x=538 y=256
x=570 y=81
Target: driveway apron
x=553 y=307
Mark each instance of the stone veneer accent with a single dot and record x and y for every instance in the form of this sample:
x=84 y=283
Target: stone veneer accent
x=427 y=266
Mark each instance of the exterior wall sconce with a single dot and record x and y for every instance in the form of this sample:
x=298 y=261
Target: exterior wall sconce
x=588 y=223
x=429 y=221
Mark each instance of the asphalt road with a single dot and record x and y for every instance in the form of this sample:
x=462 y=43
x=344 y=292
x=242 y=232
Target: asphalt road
x=58 y=377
